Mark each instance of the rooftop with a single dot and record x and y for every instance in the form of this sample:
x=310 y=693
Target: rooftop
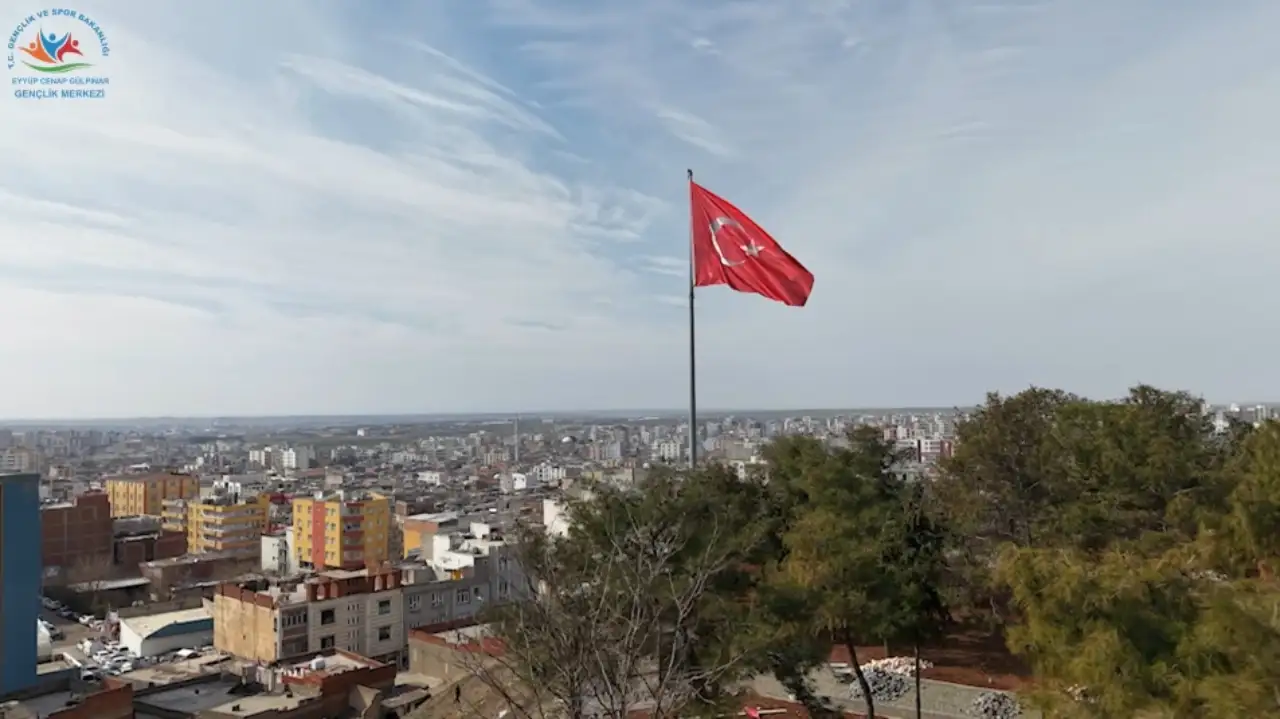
x=46 y=704
x=110 y=584
x=191 y=559
x=175 y=672
x=437 y=517
x=194 y=698
x=254 y=704
x=329 y=665
x=149 y=477
x=166 y=623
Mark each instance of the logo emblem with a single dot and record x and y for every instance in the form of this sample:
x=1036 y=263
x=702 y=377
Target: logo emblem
x=50 y=53
x=57 y=54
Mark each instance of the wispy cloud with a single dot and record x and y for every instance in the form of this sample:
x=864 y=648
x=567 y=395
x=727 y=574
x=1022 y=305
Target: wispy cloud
x=989 y=194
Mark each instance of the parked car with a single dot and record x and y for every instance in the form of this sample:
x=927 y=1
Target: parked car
x=54 y=632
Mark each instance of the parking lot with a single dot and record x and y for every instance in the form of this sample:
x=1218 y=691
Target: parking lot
x=87 y=641
x=72 y=633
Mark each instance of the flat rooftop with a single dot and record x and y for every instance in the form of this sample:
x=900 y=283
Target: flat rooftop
x=174 y=672
x=260 y=704
x=54 y=666
x=110 y=584
x=437 y=517
x=333 y=664
x=148 y=624
x=194 y=698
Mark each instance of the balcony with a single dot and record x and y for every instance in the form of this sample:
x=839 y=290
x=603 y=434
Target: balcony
x=222 y=528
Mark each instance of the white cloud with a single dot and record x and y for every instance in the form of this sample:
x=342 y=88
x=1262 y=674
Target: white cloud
x=479 y=206
x=989 y=195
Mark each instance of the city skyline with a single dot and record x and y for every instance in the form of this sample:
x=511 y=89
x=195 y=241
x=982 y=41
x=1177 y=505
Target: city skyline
x=532 y=418
x=491 y=210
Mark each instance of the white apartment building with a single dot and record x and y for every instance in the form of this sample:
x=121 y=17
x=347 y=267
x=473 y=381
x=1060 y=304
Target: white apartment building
x=546 y=472
x=457 y=576
x=512 y=482
x=298 y=458
x=278 y=555
x=20 y=459
x=434 y=479
x=670 y=450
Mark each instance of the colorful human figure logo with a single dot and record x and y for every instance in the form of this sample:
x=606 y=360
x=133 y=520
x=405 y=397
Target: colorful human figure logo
x=50 y=53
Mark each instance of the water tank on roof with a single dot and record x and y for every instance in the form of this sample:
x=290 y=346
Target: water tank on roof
x=317 y=664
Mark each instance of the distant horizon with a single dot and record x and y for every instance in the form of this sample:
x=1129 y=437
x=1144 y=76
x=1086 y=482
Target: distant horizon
x=393 y=417
x=464 y=416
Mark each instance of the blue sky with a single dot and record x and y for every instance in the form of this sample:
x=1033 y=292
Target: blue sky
x=478 y=205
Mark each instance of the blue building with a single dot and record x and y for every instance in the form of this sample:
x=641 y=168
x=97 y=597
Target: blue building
x=20 y=584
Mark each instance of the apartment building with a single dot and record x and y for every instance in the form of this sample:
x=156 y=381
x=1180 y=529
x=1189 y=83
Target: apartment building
x=21 y=459
x=355 y=611
x=76 y=532
x=420 y=528
x=457 y=575
x=173 y=515
x=145 y=493
x=342 y=530
x=227 y=522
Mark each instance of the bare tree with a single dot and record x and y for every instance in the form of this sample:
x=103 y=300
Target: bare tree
x=634 y=611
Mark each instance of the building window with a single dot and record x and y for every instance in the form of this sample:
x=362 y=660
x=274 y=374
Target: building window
x=384 y=633
x=503 y=588
x=477 y=594
x=502 y=564
x=384 y=606
x=295 y=619
x=436 y=599
x=327 y=642
x=463 y=597
x=415 y=602
x=327 y=616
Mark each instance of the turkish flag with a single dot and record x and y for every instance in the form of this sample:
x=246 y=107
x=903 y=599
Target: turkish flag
x=729 y=248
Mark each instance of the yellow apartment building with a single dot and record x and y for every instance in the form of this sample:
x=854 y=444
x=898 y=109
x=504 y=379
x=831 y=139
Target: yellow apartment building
x=173 y=515
x=227 y=523
x=145 y=493
x=342 y=530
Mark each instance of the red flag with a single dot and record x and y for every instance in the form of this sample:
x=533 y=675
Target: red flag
x=729 y=248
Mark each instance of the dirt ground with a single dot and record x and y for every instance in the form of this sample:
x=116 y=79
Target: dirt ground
x=972 y=657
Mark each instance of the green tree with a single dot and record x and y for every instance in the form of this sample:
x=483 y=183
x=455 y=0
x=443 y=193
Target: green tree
x=851 y=567
x=914 y=548
x=1007 y=469
x=1118 y=634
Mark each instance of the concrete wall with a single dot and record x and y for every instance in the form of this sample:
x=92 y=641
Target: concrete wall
x=437 y=660
x=392 y=620
x=244 y=624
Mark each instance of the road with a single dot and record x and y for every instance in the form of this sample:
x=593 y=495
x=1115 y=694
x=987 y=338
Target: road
x=74 y=632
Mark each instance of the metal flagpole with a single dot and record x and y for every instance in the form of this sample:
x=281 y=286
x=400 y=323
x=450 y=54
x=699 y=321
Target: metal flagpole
x=693 y=356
